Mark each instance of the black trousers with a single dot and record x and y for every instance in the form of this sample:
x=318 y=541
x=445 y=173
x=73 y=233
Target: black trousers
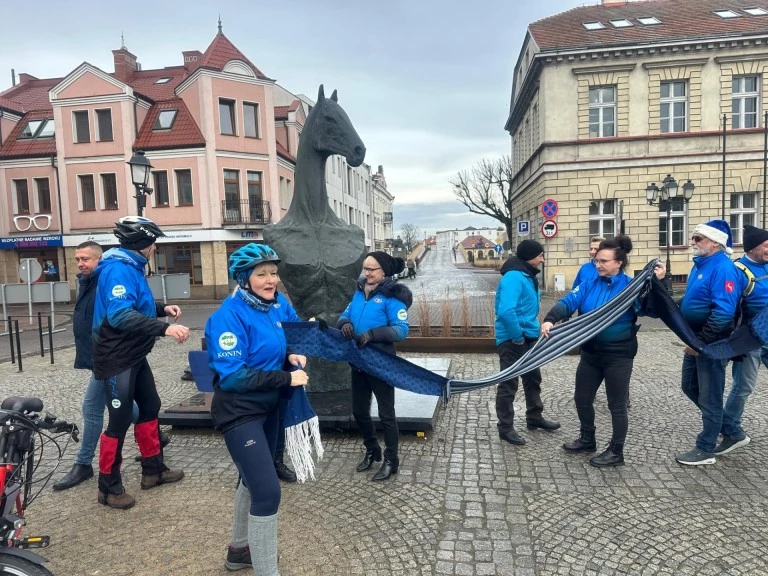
x=510 y=353
x=617 y=372
x=363 y=387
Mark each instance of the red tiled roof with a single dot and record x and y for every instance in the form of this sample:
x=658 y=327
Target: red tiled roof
x=33 y=95
x=12 y=105
x=680 y=19
x=183 y=134
x=222 y=51
x=469 y=242
x=281 y=112
x=281 y=151
x=144 y=82
x=26 y=148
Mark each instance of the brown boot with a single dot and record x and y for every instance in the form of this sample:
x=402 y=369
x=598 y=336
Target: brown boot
x=165 y=477
x=119 y=501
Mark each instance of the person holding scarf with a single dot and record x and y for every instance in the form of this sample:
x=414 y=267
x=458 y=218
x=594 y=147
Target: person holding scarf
x=609 y=356
x=378 y=315
x=253 y=369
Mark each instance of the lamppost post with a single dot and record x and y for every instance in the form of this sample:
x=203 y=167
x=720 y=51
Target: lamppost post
x=140 y=170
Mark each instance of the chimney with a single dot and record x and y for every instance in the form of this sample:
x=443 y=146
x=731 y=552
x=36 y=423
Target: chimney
x=191 y=58
x=125 y=64
x=13 y=77
x=381 y=169
x=24 y=78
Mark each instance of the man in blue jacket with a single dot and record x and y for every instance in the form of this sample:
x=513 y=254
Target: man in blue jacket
x=517 y=329
x=589 y=270
x=709 y=305
x=754 y=281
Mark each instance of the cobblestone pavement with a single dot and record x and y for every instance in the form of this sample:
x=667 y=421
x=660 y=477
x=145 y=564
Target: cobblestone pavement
x=463 y=503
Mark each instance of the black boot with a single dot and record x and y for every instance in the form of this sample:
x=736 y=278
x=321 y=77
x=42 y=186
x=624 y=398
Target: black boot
x=387 y=469
x=512 y=437
x=543 y=423
x=584 y=443
x=612 y=456
x=79 y=473
x=283 y=472
x=371 y=456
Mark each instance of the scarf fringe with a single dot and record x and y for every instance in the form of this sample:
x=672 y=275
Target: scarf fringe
x=299 y=442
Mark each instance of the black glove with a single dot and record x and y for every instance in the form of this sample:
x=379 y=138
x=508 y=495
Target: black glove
x=348 y=331
x=322 y=324
x=364 y=338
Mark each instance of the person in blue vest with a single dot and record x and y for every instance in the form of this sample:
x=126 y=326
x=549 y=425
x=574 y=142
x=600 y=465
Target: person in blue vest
x=517 y=329
x=253 y=369
x=378 y=315
x=709 y=306
x=608 y=357
x=754 y=286
x=589 y=269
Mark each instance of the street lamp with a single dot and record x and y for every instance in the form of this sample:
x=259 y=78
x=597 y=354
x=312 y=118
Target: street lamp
x=663 y=197
x=140 y=169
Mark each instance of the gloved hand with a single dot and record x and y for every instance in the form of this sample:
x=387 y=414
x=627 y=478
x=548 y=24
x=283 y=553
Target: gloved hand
x=322 y=324
x=364 y=338
x=348 y=331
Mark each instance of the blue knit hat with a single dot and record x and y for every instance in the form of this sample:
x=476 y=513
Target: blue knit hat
x=719 y=232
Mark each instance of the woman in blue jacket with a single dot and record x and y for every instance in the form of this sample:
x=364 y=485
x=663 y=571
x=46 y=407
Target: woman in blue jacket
x=252 y=367
x=606 y=357
x=377 y=314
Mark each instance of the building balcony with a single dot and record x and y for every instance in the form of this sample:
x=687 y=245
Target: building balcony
x=245 y=213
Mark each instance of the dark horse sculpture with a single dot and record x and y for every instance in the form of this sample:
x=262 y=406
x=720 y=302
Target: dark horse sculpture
x=321 y=254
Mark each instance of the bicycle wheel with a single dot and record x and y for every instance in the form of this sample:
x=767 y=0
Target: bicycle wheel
x=15 y=566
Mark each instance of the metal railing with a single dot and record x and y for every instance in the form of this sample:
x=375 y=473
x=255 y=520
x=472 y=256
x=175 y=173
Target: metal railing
x=245 y=213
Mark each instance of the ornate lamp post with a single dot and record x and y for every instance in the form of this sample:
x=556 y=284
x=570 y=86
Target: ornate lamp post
x=663 y=197
x=140 y=169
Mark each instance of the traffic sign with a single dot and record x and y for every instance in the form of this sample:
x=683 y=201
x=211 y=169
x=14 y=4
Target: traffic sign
x=549 y=208
x=523 y=227
x=549 y=229
x=30 y=270
x=497 y=248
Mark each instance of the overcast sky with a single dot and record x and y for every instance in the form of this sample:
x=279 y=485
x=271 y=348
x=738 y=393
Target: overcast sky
x=426 y=83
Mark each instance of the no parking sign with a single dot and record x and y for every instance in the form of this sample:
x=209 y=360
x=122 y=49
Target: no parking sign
x=549 y=208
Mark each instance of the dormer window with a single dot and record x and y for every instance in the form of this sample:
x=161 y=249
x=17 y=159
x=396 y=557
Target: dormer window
x=755 y=11
x=593 y=25
x=43 y=128
x=163 y=80
x=620 y=23
x=165 y=120
x=726 y=14
x=648 y=20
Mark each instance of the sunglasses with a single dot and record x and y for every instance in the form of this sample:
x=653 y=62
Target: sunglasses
x=697 y=238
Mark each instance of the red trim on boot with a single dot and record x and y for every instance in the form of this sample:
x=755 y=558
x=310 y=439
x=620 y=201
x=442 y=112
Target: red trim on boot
x=147 y=437
x=107 y=453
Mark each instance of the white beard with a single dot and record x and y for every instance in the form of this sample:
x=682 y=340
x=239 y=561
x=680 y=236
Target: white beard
x=697 y=251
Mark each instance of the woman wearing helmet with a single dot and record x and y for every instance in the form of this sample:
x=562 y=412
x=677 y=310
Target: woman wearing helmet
x=125 y=326
x=377 y=314
x=247 y=353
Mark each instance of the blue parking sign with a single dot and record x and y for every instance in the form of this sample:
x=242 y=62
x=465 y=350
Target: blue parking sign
x=523 y=227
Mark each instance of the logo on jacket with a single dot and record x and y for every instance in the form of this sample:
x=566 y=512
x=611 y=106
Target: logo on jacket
x=378 y=300
x=402 y=315
x=250 y=442
x=116 y=404
x=279 y=324
x=729 y=286
x=118 y=291
x=227 y=341
x=276 y=305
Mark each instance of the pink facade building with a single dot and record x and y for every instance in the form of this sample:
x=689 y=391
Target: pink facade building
x=223 y=158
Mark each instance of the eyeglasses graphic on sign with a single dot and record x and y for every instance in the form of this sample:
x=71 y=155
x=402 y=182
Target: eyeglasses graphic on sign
x=24 y=223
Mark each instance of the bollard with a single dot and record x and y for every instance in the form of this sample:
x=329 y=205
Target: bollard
x=40 y=333
x=18 y=343
x=10 y=339
x=50 y=336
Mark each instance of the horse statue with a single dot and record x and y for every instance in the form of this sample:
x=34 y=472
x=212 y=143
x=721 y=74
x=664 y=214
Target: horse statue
x=321 y=255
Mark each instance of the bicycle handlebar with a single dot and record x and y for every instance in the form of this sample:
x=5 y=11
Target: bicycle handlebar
x=47 y=422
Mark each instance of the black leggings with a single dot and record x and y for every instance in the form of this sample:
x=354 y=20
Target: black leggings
x=252 y=447
x=363 y=386
x=616 y=372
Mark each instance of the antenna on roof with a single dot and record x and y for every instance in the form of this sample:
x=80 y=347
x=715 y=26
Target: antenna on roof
x=219 y=23
x=122 y=40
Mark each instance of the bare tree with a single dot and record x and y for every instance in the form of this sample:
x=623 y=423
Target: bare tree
x=487 y=189
x=410 y=235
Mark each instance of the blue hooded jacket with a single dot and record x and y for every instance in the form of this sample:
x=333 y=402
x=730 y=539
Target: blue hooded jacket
x=517 y=303
x=758 y=298
x=586 y=272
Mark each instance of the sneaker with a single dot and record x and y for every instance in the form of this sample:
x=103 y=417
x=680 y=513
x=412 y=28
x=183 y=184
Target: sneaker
x=238 y=558
x=727 y=444
x=695 y=457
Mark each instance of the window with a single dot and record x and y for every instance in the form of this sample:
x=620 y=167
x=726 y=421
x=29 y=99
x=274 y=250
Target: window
x=726 y=14
x=80 y=125
x=254 y=196
x=602 y=111
x=165 y=120
x=43 y=195
x=161 y=188
x=180 y=259
x=620 y=23
x=87 y=193
x=109 y=187
x=43 y=128
x=744 y=103
x=674 y=106
x=251 y=119
x=593 y=25
x=231 y=196
x=163 y=80
x=184 y=187
x=47 y=130
x=743 y=211
x=227 y=117
x=677 y=223
x=756 y=11
x=648 y=20
x=22 y=196
x=351 y=215
x=602 y=218
x=104 y=125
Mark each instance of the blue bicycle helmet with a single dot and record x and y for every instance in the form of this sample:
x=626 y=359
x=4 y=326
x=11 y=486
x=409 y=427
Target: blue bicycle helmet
x=243 y=260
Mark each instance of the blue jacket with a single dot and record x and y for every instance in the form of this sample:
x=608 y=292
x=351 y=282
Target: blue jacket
x=586 y=272
x=712 y=296
x=384 y=313
x=247 y=354
x=125 y=322
x=758 y=298
x=618 y=339
x=82 y=318
x=517 y=303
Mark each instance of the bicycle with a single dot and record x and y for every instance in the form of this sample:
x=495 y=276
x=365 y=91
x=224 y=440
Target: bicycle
x=22 y=423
